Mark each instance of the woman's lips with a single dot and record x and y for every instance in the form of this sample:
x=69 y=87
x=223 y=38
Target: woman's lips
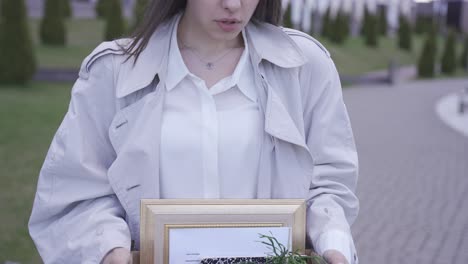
x=228 y=26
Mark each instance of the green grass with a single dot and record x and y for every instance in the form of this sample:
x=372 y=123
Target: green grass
x=83 y=35
x=354 y=58
x=30 y=115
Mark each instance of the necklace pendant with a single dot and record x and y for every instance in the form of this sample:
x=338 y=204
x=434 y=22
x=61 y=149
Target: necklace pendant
x=209 y=65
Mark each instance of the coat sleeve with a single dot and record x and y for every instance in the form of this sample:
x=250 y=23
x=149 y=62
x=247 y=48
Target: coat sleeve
x=76 y=216
x=332 y=203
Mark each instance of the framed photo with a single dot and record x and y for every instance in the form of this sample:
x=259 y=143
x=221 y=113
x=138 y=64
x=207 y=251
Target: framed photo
x=168 y=223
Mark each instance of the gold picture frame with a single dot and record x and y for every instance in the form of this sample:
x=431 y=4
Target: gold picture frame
x=158 y=216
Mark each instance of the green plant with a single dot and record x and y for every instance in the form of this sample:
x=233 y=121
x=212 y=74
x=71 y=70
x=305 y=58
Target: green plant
x=52 y=31
x=287 y=20
x=66 y=8
x=326 y=24
x=464 y=55
x=365 y=21
x=283 y=256
x=382 y=20
x=449 y=64
x=115 y=24
x=17 y=58
x=404 y=34
x=371 y=31
x=101 y=8
x=340 y=27
x=427 y=59
x=423 y=24
x=139 y=11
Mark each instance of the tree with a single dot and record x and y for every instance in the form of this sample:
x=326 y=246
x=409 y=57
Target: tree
x=382 y=20
x=365 y=21
x=405 y=39
x=448 y=63
x=67 y=10
x=17 y=63
x=326 y=24
x=115 y=24
x=139 y=11
x=427 y=60
x=101 y=8
x=287 y=20
x=52 y=29
x=423 y=24
x=464 y=55
x=371 y=31
x=340 y=27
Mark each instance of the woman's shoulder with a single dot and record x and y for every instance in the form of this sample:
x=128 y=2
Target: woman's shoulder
x=306 y=42
x=102 y=54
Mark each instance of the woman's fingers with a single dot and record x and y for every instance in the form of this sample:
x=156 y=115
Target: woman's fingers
x=118 y=256
x=334 y=257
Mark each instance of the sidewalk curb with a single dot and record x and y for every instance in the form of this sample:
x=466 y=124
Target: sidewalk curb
x=446 y=109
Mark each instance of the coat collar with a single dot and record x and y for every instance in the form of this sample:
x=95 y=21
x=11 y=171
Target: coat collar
x=154 y=58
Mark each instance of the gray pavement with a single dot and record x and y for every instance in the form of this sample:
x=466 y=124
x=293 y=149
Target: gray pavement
x=413 y=181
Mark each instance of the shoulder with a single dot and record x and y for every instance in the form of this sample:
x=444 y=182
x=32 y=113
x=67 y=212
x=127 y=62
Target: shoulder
x=319 y=60
x=307 y=43
x=102 y=55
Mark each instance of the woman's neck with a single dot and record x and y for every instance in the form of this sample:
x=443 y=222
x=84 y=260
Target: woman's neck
x=191 y=35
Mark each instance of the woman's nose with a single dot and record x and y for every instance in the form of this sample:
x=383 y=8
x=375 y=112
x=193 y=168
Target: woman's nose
x=231 y=5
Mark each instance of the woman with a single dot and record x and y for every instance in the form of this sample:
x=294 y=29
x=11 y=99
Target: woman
x=210 y=99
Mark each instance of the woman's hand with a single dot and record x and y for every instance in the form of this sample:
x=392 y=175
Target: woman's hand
x=118 y=256
x=334 y=257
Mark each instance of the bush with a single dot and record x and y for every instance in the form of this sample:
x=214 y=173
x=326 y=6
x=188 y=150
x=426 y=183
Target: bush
x=423 y=24
x=17 y=63
x=365 y=21
x=326 y=24
x=464 y=55
x=427 y=60
x=287 y=20
x=101 y=8
x=52 y=29
x=371 y=31
x=448 y=63
x=139 y=11
x=382 y=20
x=66 y=7
x=115 y=25
x=405 y=39
x=340 y=27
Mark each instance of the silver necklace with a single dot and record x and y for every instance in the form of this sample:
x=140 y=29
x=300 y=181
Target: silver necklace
x=208 y=64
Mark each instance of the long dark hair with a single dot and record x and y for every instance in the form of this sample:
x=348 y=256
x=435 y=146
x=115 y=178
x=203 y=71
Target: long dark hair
x=159 y=11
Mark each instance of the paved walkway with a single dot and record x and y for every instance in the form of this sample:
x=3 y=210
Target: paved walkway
x=413 y=181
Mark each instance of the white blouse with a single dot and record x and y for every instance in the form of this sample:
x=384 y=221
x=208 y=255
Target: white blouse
x=211 y=138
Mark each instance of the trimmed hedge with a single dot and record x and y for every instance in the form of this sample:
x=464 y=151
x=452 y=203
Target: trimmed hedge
x=101 y=8
x=427 y=60
x=67 y=10
x=448 y=63
x=287 y=20
x=18 y=63
x=115 y=24
x=371 y=31
x=139 y=11
x=52 y=28
x=464 y=55
x=405 y=38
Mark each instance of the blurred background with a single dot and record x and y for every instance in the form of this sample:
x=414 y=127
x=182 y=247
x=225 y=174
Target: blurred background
x=403 y=67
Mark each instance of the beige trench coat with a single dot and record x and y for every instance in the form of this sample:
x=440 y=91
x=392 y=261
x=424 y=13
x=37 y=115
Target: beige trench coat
x=104 y=157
